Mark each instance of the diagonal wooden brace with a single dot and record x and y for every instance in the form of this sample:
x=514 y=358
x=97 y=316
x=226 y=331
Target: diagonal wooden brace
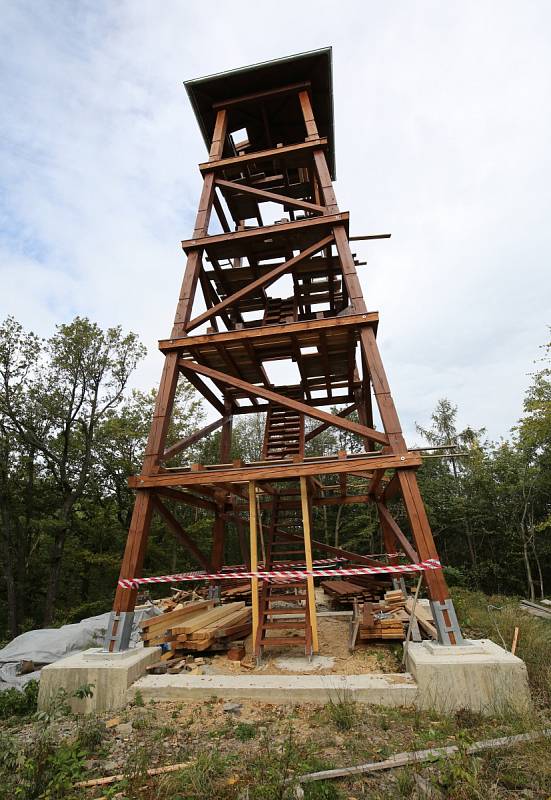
x=270 y=196
x=400 y=537
x=262 y=282
x=287 y=402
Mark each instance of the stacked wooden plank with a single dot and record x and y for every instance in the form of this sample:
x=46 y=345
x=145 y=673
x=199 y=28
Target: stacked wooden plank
x=344 y=592
x=395 y=599
x=381 y=623
x=240 y=591
x=197 y=626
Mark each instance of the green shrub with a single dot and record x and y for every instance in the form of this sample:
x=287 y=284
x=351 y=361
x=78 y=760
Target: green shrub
x=15 y=703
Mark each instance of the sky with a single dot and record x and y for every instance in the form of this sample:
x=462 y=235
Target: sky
x=443 y=131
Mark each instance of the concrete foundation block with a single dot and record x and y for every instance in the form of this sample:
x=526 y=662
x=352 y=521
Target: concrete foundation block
x=478 y=675
x=110 y=673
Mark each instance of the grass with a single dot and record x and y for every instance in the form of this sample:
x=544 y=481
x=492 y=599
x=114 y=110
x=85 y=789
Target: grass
x=496 y=618
x=256 y=759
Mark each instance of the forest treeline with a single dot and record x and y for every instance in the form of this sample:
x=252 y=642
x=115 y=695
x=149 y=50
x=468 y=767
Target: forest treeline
x=71 y=433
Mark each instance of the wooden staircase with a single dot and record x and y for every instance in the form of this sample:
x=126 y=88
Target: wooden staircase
x=284 y=604
x=284 y=433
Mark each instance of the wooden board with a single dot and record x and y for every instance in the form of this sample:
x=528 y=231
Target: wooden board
x=204 y=619
x=180 y=613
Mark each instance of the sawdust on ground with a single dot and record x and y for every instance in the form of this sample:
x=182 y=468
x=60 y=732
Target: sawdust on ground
x=333 y=641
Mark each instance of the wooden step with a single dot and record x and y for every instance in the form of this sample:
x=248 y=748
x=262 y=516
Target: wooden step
x=296 y=623
x=272 y=612
x=274 y=641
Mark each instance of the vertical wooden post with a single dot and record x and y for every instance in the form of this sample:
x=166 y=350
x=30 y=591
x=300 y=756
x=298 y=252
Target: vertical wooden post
x=309 y=564
x=254 y=555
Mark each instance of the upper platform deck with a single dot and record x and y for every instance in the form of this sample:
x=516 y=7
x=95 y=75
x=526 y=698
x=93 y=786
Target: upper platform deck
x=262 y=100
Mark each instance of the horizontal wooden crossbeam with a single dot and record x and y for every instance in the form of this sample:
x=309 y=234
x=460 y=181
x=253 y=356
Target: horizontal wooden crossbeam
x=269 y=331
x=287 y=402
x=267 y=231
x=273 y=472
x=247 y=98
x=262 y=282
x=271 y=197
x=264 y=155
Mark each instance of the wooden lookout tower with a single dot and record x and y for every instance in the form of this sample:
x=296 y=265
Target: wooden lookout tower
x=270 y=137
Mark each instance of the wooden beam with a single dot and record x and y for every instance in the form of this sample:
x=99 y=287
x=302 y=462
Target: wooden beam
x=247 y=98
x=180 y=533
x=253 y=549
x=350 y=499
x=398 y=534
x=271 y=197
x=323 y=427
x=261 y=282
x=192 y=438
x=269 y=332
x=391 y=489
x=369 y=236
x=265 y=232
x=274 y=472
x=309 y=564
x=186 y=498
x=274 y=397
x=335 y=551
x=264 y=155
x=201 y=387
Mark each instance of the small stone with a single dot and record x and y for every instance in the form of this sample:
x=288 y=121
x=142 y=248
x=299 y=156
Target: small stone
x=109 y=767
x=199 y=661
x=232 y=708
x=195 y=671
x=124 y=729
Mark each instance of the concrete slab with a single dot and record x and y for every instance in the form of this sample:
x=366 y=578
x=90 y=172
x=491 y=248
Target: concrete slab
x=386 y=690
x=111 y=674
x=479 y=675
x=301 y=664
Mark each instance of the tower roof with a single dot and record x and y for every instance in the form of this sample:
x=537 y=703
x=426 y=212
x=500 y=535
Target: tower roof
x=282 y=111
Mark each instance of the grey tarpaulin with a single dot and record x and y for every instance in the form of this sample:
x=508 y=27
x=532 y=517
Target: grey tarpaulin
x=47 y=645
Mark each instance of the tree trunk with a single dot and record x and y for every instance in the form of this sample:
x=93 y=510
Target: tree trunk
x=56 y=561
x=8 y=572
x=337 y=525
x=529 y=578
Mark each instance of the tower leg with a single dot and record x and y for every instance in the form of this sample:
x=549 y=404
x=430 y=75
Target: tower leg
x=120 y=622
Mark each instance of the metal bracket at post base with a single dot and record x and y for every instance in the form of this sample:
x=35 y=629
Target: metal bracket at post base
x=118 y=633
x=443 y=629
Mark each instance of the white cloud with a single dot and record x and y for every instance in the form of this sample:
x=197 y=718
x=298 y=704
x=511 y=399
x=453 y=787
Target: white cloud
x=442 y=126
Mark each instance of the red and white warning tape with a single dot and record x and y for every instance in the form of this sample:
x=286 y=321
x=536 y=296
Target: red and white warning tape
x=422 y=566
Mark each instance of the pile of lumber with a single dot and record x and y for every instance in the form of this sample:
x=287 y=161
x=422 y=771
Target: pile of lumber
x=345 y=592
x=379 y=622
x=240 y=591
x=385 y=620
x=395 y=600
x=197 y=626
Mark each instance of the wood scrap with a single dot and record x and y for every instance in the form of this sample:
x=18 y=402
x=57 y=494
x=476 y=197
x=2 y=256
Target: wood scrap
x=418 y=756
x=423 y=617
